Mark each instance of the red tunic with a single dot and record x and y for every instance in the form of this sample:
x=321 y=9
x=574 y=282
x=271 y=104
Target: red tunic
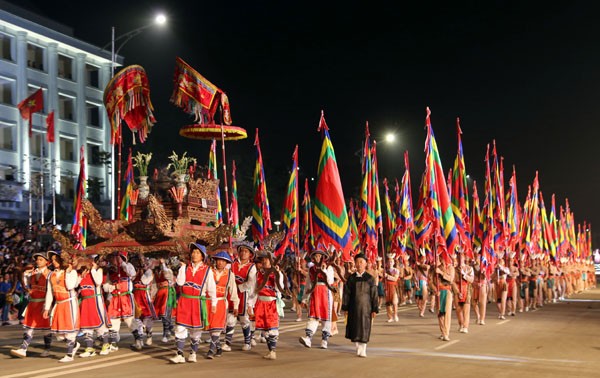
x=320 y=299
x=33 y=314
x=91 y=307
x=241 y=276
x=141 y=295
x=265 y=310
x=162 y=295
x=121 y=304
x=216 y=321
x=65 y=313
x=189 y=310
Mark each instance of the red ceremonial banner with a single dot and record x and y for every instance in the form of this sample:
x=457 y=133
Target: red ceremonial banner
x=127 y=98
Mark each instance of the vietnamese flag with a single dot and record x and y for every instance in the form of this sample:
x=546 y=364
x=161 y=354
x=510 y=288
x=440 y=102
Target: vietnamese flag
x=30 y=105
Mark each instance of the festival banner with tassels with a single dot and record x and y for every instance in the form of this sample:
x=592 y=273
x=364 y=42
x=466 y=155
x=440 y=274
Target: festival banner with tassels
x=261 y=215
x=126 y=208
x=212 y=175
x=127 y=98
x=330 y=215
x=512 y=214
x=79 y=230
x=370 y=219
x=354 y=236
x=405 y=223
x=440 y=201
x=234 y=215
x=460 y=199
x=197 y=96
x=308 y=238
x=290 y=211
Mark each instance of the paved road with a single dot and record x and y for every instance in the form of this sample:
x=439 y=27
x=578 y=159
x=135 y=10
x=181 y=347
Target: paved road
x=558 y=340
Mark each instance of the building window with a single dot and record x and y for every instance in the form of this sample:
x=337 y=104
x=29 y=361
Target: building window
x=67 y=187
x=6 y=137
x=93 y=114
x=5 y=44
x=36 y=144
x=67 y=149
x=6 y=91
x=93 y=154
x=35 y=57
x=65 y=67
x=92 y=74
x=66 y=107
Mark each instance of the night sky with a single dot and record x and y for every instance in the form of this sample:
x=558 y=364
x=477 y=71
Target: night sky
x=525 y=75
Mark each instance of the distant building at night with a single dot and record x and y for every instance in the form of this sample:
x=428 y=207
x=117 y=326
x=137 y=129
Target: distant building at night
x=36 y=52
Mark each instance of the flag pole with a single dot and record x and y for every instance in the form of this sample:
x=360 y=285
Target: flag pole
x=225 y=178
x=42 y=161
x=53 y=178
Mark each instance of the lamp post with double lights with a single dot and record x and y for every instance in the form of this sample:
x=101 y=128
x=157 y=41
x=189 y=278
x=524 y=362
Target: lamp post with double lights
x=159 y=20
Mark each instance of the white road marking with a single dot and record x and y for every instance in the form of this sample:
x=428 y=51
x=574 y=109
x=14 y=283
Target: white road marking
x=504 y=321
x=446 y=344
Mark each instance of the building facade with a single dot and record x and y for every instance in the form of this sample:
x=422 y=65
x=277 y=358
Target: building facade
x=38 y=53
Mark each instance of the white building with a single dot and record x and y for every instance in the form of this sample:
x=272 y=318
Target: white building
x=38 y=53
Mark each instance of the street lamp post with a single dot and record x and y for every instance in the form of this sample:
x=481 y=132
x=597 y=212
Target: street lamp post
x=158 y=20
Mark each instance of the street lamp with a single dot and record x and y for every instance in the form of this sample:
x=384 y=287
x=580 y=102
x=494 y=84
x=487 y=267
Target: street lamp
x=160 y=20
x=277 y=224
x=390 y=138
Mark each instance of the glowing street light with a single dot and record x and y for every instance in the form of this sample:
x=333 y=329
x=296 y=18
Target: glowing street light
x=160 y=19
x=390 y=138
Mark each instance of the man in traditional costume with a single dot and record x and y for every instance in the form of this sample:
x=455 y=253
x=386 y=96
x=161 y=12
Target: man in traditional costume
x=197 y=284
x=36 y=284
x=244 y=270
x=421 y=279
x=464 y=278
x=445 y=272
x=320 y=299
x=360 y=305
x=93 y=309
x=141 y=294
x=165 y=299
x=391 y=277
x=226 y=292
x=122 y=305
x=501 y=286
x=269 y=283
x=61 y=304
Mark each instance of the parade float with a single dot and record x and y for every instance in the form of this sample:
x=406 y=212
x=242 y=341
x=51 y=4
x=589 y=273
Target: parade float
x=180 y=205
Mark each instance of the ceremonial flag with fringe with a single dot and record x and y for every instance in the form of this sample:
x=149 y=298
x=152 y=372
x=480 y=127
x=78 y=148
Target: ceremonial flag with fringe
x=440 y=201
x=512 y=220
x=261 y=215
x=354 y=236
x=405 y=223
x=79 y=222
x=459 y=198
x=234 y=217
x=290 y=210
x=330 y=215
x=126 y=208
x=370 y=211
x=308 y=237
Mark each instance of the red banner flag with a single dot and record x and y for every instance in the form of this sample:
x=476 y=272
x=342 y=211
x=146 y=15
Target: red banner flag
x=50 y=127
x=30 y=105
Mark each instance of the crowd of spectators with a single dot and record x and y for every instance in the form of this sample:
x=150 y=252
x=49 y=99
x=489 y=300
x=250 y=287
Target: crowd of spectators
x=18 y=244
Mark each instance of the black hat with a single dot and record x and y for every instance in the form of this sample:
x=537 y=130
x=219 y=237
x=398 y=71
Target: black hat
x=360 y=256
